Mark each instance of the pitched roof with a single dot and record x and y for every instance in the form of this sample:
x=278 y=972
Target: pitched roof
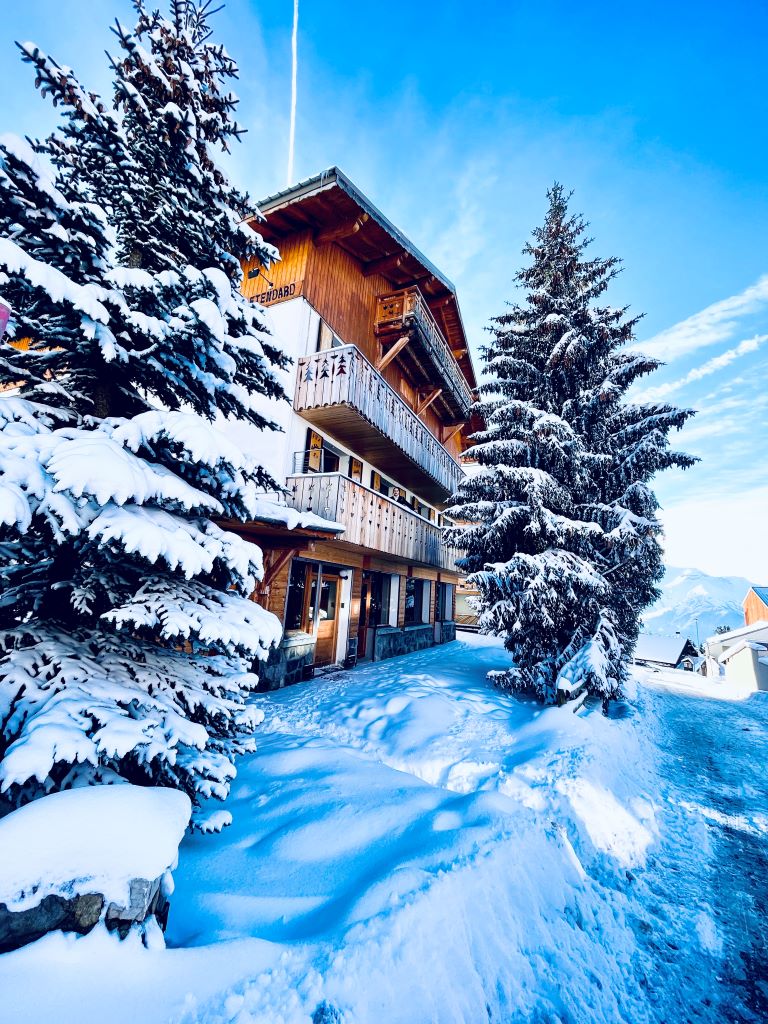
x=762 y=593
x=328 y=199
x=664 y=650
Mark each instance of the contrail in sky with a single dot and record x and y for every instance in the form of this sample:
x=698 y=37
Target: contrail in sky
x=294 y=55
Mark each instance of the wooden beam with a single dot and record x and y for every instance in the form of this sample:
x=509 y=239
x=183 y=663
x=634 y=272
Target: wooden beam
x=276 y=564
x=383 y=264
x=388 y=356
x=449 y=432
x=428 y=400
x=343 y=231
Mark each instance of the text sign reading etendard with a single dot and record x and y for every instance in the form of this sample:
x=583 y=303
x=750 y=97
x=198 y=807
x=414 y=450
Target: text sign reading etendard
x=279 y=293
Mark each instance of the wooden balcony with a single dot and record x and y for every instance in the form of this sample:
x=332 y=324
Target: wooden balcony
x=405 y=314
x=371 y=520
x=339 y=389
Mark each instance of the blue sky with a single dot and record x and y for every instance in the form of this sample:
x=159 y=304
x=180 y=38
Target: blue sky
x=454 y=119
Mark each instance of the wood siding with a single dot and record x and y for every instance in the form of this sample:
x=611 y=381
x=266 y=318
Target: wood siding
x=334 y=285
x=755 y=610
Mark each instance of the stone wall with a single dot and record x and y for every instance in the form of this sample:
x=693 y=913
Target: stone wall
x=391 y=641
x=289 y=663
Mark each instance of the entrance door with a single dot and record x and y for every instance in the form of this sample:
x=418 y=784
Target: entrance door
x=324 y=609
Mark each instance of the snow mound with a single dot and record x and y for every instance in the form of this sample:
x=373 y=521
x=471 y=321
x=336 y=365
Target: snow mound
x=94 y=839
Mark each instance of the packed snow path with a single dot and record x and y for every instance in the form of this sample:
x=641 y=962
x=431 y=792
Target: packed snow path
x=708 y=877
x=412 y=845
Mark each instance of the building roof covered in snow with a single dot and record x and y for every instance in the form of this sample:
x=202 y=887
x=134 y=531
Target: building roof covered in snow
x=663 y=650
x=756 y=630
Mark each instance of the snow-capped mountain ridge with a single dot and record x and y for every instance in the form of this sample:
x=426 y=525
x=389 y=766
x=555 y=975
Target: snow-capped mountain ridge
x=689 y=595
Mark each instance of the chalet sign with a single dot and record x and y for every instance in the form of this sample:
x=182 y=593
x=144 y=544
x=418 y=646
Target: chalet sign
x=278 y=293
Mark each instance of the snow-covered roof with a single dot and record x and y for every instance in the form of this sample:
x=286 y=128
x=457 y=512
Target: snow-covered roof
x=277 y=514
x=743 y=645
x=733 y=635
x=334 y=176
x=664 y=650
x=329 y=200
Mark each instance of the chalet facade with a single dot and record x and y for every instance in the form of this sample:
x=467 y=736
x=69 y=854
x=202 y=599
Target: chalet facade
x=381 y=393
x=756 y=605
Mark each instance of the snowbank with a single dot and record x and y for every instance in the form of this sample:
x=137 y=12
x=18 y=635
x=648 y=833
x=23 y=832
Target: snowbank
x=91 y=840
x=408 y=844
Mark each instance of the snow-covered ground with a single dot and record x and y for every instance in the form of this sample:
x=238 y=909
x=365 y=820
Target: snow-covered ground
x=411 y=845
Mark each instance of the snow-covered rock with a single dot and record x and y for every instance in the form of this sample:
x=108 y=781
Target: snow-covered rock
x=75 y=857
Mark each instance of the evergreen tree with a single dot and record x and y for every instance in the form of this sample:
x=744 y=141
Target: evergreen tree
x=126 y=632
x=559 y=524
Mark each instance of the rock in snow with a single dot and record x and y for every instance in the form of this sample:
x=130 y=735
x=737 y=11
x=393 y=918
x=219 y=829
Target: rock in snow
x=99 y=839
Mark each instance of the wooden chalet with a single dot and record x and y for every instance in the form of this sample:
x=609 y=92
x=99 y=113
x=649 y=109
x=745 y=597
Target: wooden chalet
x=381 y=403
x=756 y=605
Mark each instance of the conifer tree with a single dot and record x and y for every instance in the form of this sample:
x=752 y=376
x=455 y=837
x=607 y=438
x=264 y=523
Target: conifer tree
x=559 y=530
x=126 y=633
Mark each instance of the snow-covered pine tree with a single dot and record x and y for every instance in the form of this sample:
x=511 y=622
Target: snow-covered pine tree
x=126 y=632
x=559 y=523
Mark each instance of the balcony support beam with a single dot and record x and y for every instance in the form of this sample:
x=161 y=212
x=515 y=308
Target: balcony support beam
x=337 y=234
x=384 y=264
x=386 y=358
x=449 y=432
x=428 y=399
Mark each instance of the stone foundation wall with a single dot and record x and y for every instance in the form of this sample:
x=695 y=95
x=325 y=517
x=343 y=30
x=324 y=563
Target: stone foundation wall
x=292 y=661
x=289 y=663
x=391 y=641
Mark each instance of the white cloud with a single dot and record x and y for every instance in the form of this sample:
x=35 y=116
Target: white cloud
x=711 y=366
x=724 y=536
x=718 y=322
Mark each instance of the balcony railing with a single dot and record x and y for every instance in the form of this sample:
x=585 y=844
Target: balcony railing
x=339 y=389
x=370 y=519
x=407 y=309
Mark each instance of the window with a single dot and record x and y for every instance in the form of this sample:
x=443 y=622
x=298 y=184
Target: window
x=326 y=606
x=294 y=608
x=326 y=338
x=414 y=601
x=378 y=483
x=379 y=607
x=444 y=602
x=319 y=456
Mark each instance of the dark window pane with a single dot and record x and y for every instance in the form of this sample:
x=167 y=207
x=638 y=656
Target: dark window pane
x=294 y=609
x=327 y=609
x=414 y=595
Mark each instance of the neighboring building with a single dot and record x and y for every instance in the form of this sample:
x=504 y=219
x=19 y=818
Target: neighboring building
x=740 y=654
x=467 y=616
x=756 y=605
x=382 y=389
x=666 y=651
x=746 y=665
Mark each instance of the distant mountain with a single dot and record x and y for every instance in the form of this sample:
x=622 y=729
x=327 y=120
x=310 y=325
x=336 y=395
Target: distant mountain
x=691 y=593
